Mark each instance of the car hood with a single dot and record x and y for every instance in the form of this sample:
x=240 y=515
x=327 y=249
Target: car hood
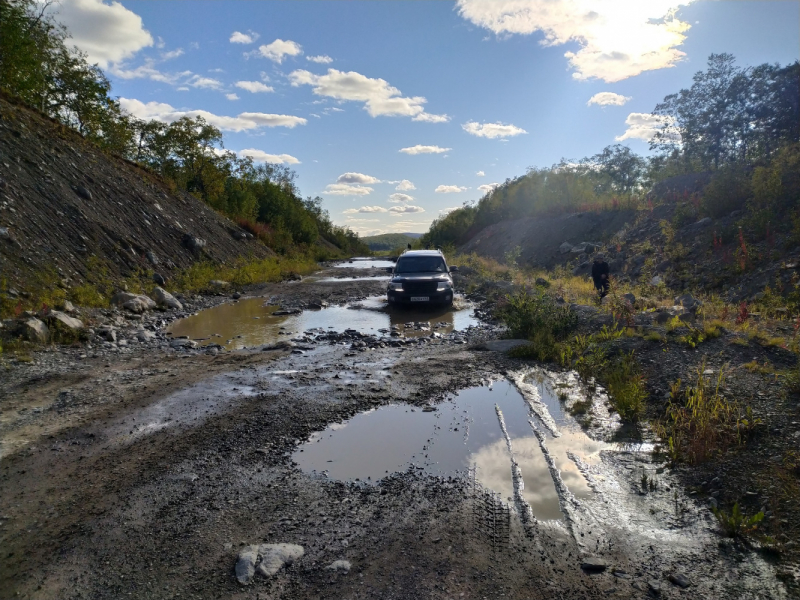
x=421 y=277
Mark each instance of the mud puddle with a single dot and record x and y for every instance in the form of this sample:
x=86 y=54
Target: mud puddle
x=365 y=263
x=462 y=433
x=251 y=322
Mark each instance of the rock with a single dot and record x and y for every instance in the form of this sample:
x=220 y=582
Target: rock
x=340 y=565
x=67 y=306
x=654 y=587
x=34 y=330
x=582 y=269
x=594 y=565
x=246 y=565
x=565 y=248
x=286 y=311
x=145 y=336
x=656 y=280
x=502 y=345
x=542 y=282
x=688 y=302
x=59 y=319
x=195 y=244
x=108 y=334
x=135 y=303
x=272 y=557
x=159 y=279
x=616 y=265
x=5 y=234
x=680 y=580
x=218 y=283
x=183 y=343
x=702 y=223
x=663 y=265
x=236 y=295
x=82 y=192
x=151 y=257
x=629 y=298
x=164 y=298
x=580 y=248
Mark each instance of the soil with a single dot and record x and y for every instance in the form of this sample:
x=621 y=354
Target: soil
x=64 y=201
x=144 y=471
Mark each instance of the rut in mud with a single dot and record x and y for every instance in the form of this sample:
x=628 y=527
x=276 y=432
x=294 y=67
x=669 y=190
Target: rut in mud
x=406 y=461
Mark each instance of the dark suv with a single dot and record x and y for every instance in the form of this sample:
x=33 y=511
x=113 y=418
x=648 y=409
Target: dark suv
x=421 y=277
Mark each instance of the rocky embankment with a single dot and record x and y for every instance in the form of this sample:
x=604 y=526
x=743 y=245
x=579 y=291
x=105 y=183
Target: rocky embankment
x=63 y=202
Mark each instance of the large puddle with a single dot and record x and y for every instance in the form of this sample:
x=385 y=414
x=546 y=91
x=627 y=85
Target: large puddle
x=251 y=322
x=365 y=263
x=463 y=432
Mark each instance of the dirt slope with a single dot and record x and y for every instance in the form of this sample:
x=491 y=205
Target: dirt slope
x=63 y=201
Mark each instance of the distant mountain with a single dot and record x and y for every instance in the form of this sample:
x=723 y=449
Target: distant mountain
x=390 y=241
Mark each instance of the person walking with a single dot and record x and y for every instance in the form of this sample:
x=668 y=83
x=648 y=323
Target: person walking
x=600 y=272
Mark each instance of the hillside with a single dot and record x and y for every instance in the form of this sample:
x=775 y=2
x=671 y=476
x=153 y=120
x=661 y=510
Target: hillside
x=389 y=241
x=65 y=205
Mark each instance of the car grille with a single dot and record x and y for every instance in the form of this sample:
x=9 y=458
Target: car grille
x=420 y=287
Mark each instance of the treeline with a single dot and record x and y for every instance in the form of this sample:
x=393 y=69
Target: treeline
x=739 y=127
x=38 y=67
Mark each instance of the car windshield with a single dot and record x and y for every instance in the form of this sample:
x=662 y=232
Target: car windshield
x=420 y=264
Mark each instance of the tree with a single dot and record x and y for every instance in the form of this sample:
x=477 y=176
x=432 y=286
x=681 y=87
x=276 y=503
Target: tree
x=621 y=166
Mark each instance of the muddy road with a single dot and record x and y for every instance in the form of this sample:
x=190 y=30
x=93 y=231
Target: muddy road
x=404 y=455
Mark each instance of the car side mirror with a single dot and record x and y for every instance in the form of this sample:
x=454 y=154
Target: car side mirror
x=454 y=269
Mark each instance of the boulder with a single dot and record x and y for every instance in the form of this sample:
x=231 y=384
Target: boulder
x=164 y=298
x=615 y=266
x=34 y=330
x=67 y=306
x=688 y=302
x=151 y=257
x=183 y=343
x=656 y=280
x=218 y=283
x=580 y=248
x=145 y=336
x=136 y=303
x=542 y=282
x=265 y=559
x=109 y=334
x=565 y=248
x=594 y=565
x=629 y=298
x=582 y=269
x=195 y=244
x=59 y=319
x=344 y=566
x=82 y=192
x=159 y=279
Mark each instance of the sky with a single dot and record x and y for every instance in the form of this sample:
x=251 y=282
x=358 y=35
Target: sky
x=397 y=112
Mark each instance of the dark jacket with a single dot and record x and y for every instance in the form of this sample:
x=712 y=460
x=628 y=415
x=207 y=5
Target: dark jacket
x=599 y=269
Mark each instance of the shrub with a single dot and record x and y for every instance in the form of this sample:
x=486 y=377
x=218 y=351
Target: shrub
x=536 y=314
x=625 y=385
x=727 y=191
x=737 y=524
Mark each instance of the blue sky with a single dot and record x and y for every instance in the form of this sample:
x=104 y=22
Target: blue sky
x=394 y=112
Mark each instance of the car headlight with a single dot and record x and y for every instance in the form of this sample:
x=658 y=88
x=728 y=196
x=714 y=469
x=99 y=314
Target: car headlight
x=397 y=287
x=443 y=285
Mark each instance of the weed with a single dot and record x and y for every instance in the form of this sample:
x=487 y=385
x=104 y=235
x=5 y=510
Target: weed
x=537 y=317
x=737 y=524
x=626 y=387
x=654 y=336
x=580 y=407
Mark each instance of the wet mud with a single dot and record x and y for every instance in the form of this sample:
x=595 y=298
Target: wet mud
x=435 y=469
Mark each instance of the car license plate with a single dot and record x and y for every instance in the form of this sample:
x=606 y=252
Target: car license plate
x=420 y=298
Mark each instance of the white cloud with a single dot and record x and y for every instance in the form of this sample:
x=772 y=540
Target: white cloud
x=231 y=96
x=346 y=189
x=165 y=113
x=279 y=49
x=357 y=178
x=643 y=126
x=492 y=130
x=608 y=99
x=149 y=71
x=261 y=156
x=196 y=81
x=405 y=186
x=487 y=187
x=253 y=86
x=365 y=209
x=480 y=174
x=379 y=98
x=449 y=189
x=172 y=54
x=237 y=37
x=429 y=118
x=397 y=211
x=108 y=33
x=617 y=40
x=397 y=197
x=418 y=149
x=322 y=59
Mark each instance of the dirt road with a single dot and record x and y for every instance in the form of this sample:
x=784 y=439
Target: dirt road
x=145 y=472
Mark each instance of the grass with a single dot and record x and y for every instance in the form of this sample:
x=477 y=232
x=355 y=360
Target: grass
x=626 y=387
x=700 y=423
x=198 y=277
x=736 y=524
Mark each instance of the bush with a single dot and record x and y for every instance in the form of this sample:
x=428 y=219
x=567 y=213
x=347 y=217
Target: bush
x=536 y=315
x=727 y=191
x=626 y=389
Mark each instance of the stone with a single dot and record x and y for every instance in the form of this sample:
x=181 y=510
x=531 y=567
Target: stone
x=5 y=234
x=629 y=298
x=151 y=257
x=34 y=330
x=616 y=265
x=688 y=302
x=594 y=564
x=582 y=269
x=680 y=580
x=502 y=345
x=108 y=334
x=580 y=248
x=218 y=283
x=59 y=319
x=67 y=306
x=133 y=302
x=656 y=280
x=702 y=223
x=145 y=336
x=265 y=559
x=195 y=244
x=83 y=192
x=565 y=248
x=158 y=279
x=164 y=298
x=654 y=587
x=236 y=295
x=542 y=282
x=183 y=343
x=343 y=566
